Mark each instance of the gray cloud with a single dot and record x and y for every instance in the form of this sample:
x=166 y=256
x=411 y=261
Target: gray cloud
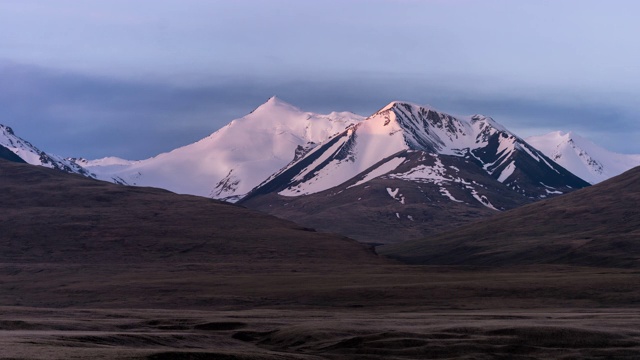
x=78 y=115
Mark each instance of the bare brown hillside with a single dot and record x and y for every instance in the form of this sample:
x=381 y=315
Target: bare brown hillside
x=595 y=226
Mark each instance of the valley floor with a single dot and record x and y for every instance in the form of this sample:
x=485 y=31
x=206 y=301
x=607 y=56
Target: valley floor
x=204 y=311
x=36 y=333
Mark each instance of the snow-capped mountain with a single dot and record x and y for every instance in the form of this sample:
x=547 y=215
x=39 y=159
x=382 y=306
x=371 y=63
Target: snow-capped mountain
x=412 y=167
x=32 y=155
x=387 y=137
x=404 y=172
x=233 y=160
x=582 y=157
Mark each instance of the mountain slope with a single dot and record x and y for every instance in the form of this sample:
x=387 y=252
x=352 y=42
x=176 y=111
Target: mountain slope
x=582 y=157
x=598 y=225
x=54 y=217
x=230 y=162
x=414 y=168
x=28 y=153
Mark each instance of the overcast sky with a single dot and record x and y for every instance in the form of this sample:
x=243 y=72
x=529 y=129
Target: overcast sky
x=133 y=78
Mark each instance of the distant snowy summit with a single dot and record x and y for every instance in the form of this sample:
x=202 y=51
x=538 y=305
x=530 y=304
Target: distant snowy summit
x=582 y=157
x=233 y=160
x=30 y=154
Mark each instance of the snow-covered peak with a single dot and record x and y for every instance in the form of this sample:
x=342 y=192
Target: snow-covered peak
x=582 y=157
x=34 y=156
x=425 y=128
x=402 y=127
x=552 y=139
x=487 y=121
x=231 y=161
x=6 y=130
x=273 y=106
x=20 y=147
x=403 y=104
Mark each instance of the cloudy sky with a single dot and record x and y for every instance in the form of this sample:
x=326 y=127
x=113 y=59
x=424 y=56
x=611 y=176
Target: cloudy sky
x=133 y=78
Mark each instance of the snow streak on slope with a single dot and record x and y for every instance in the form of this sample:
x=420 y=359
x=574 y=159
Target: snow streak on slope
x=236 y=158
x=582 y=157
x=34 y=156
x=380 y=170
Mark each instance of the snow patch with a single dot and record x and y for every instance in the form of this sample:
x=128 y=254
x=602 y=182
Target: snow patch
x=508 y=171
x=553 y=192
x=446 y=193
x=380 y=170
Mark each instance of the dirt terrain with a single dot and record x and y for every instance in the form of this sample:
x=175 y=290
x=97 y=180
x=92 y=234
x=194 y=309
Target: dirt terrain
x=90 y=270
x=313 y=334
x=595 y=226
x=224 y=311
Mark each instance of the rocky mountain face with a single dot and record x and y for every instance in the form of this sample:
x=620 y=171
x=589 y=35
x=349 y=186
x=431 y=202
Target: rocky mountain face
x=411 y=167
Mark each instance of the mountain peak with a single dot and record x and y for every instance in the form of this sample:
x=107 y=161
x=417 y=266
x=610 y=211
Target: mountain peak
x=397 y=104
x=24 y=150
x=488 y=120
x=273 y=99
x=583 y=157
x=7 y=129
x=276 y=104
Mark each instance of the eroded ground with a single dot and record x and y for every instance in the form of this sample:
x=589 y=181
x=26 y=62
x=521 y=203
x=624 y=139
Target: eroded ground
x=282 y=312
x=29 y=333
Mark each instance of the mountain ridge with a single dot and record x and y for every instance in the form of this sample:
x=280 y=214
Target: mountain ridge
x=410 y=167
x=28 y=153
x=595 y=226
x=400 y=127
x=231 y=161
x=584 y=158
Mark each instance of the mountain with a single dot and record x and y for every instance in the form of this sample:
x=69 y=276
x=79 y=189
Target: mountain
x=233 y=160
x=54 y=217
x=414 y=169
x=24 y=151
x=595 y=226
x=582 y=157
x=81 y=242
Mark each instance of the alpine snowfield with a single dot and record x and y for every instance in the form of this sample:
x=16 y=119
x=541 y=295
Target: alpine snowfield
x=582 y=157
x=233 y=160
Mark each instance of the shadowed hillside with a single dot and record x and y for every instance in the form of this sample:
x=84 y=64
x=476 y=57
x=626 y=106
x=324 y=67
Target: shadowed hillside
x=595 y=226
x=52 y=217
x=92 y=270
x=9 y=155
